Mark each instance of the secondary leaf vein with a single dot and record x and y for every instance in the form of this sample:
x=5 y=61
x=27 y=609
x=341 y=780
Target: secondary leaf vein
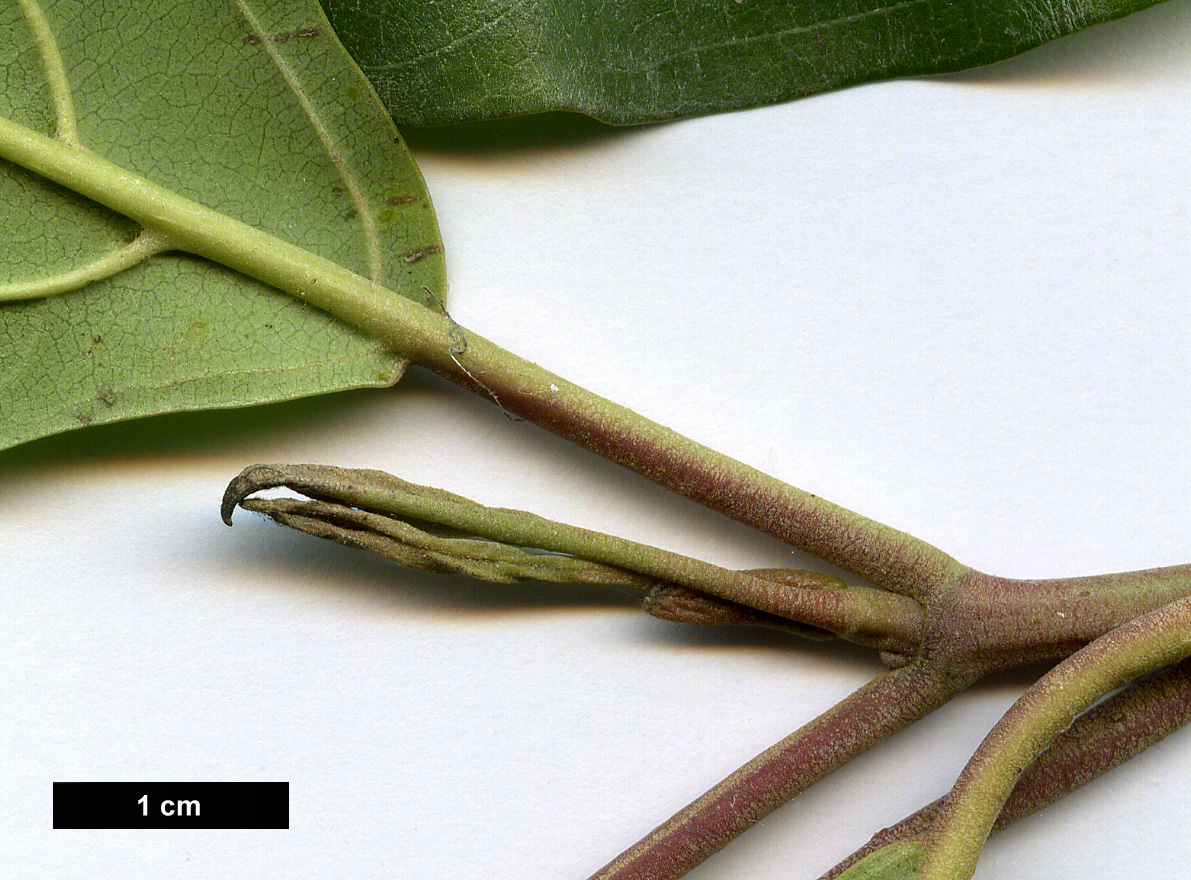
x=141 y=248
x=350 y=183
x=770 y=36
x=47 y=45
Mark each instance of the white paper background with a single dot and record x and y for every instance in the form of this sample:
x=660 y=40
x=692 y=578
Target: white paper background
x=959 y=306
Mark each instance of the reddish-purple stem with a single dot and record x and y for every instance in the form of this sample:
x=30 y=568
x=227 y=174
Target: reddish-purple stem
x=1104 y=737
x=878 y=553
x=876 y=711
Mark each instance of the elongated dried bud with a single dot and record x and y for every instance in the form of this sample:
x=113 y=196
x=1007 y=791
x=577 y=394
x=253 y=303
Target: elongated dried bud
x=436 y=531
x=423 y=548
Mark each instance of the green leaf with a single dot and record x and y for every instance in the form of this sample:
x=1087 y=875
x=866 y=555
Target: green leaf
x=897 y=861
x=250 y=107
x=648 y=60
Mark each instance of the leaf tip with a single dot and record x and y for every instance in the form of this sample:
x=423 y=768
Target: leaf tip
x=249 y=480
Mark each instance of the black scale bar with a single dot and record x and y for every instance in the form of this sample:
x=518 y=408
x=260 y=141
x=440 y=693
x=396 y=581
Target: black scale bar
x=171 y=805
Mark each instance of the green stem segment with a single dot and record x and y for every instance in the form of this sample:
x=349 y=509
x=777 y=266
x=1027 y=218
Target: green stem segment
x=885 y=556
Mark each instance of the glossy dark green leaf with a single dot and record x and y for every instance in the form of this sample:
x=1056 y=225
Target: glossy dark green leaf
x=630 y=61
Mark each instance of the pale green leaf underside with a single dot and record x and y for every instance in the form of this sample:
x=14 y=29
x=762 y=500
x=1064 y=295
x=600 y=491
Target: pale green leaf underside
x=190 y=95
x=629 y=61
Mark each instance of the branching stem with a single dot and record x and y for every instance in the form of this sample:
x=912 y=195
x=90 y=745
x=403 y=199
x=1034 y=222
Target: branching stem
x=1156 y=639
x=1105 y=736
x=974 y=622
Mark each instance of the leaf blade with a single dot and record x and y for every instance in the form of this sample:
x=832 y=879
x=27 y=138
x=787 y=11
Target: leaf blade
x=210 y=119
x=650 y=60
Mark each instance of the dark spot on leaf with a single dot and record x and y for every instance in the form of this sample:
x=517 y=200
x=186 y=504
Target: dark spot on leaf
x=83 y=419
x=300 y=34
x=400 y=200
x=336 y=191
x=105 y=396
x=351 y=214
x=412 y=256
x=285 y=36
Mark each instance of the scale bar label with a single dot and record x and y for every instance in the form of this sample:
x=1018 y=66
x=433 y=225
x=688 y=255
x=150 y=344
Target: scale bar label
x=171 y=805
